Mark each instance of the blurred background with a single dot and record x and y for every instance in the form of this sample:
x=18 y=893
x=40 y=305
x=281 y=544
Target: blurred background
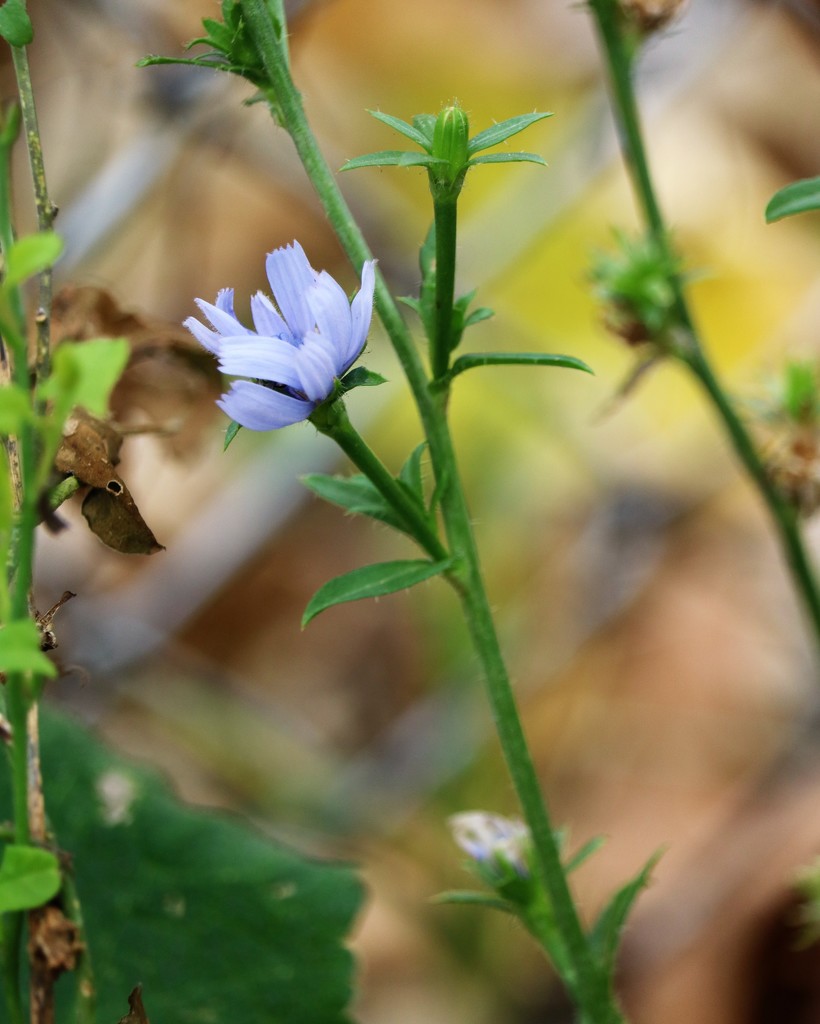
x=658 y=652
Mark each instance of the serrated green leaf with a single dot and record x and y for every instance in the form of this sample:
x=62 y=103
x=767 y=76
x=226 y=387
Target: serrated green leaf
x=798 y=197
x=606 y=932
x=403 y=128
x=361 y=377
x=392 y=158
x=31 y=254
x=15 y=24
x=218 y=922
x=371 y=581
x=476 y=359
x=230 y=433
x=503 y=130
x=508 y=158
x=15 y=409
x=20 y=649
x=29 y=877
x=410 y=473
x=356 y=494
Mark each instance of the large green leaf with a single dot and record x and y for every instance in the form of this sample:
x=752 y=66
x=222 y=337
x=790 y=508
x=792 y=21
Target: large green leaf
x=371 y=581
x=29 y=877
x=218 y=923
x=798 y=197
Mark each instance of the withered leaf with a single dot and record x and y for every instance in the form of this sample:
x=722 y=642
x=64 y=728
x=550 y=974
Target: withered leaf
x=89 y=451
x=137 y=1014
x=113 y=516
x=170 y=382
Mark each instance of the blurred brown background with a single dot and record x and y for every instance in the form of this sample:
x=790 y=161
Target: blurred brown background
x=660 y=657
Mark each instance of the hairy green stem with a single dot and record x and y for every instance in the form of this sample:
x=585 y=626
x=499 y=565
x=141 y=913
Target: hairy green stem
x=589 y=983
x=619 y=56
x=446 y=219
x=336 y=424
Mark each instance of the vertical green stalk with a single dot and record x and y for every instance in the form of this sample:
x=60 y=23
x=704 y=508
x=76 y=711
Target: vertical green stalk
x=589 y=983
x=619 y=52
x=445 y=211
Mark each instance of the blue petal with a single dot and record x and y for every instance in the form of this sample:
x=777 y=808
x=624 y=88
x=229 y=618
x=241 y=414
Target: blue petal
x=272 y=359
x=331 y=311
x=361 y=312
x=266 y=318
x=258 y=408
x=316 y=367
x=290 y=276
x=223 y=321
x=207 y=338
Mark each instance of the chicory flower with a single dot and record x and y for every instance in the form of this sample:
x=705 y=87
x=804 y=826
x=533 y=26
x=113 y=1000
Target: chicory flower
x=497 y=844
x=297 y=352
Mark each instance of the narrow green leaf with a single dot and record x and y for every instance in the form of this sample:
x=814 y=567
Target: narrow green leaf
x=230 y=433
x=606 y=931
x=20 y=649
x=475 y=359
x=31 y=254
x=426 y=125
x=391 y=158
x=410 y=473
x=798 y=197
x=29 y=877
x=466 y=897
x=586 y=851
x=403 y=128
x=361 y=377
x=508 y=158
x=502 y=131
x=356 y=494
x=477 y=315
x=15 y=409
x=15 y=24
x=371 y=581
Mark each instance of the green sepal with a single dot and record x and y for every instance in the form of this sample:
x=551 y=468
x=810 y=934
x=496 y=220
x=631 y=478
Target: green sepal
x=29 y=877
x=468 y=897
x=360 y=377
x=372 y=581
x=230 y=433
x=415 y=134
x=605 y=934
x=15 y=24
x=20 y=650
x=30 y=255
x=508 y=158
x=357 y=495
x=472 y=360
x=798 y=197
x=503 y=130
x=392 y=158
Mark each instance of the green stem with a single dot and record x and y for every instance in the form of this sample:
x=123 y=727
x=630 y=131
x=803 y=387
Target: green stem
x=335 y=423
x=619 y=57
x=46 y=210
x=12 y=938
x=445 y=210
x=589 y=982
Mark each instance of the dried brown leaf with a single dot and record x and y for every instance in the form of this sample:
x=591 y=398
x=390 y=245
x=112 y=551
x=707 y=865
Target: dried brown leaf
x=136 y=1014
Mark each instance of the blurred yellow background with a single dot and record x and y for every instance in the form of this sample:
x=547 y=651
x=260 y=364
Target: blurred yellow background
x=659 y=654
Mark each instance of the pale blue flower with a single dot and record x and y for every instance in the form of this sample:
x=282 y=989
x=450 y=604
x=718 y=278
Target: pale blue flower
x=494 y=842
x=297 y=352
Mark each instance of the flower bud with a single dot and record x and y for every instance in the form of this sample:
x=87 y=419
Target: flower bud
x=450 y=137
